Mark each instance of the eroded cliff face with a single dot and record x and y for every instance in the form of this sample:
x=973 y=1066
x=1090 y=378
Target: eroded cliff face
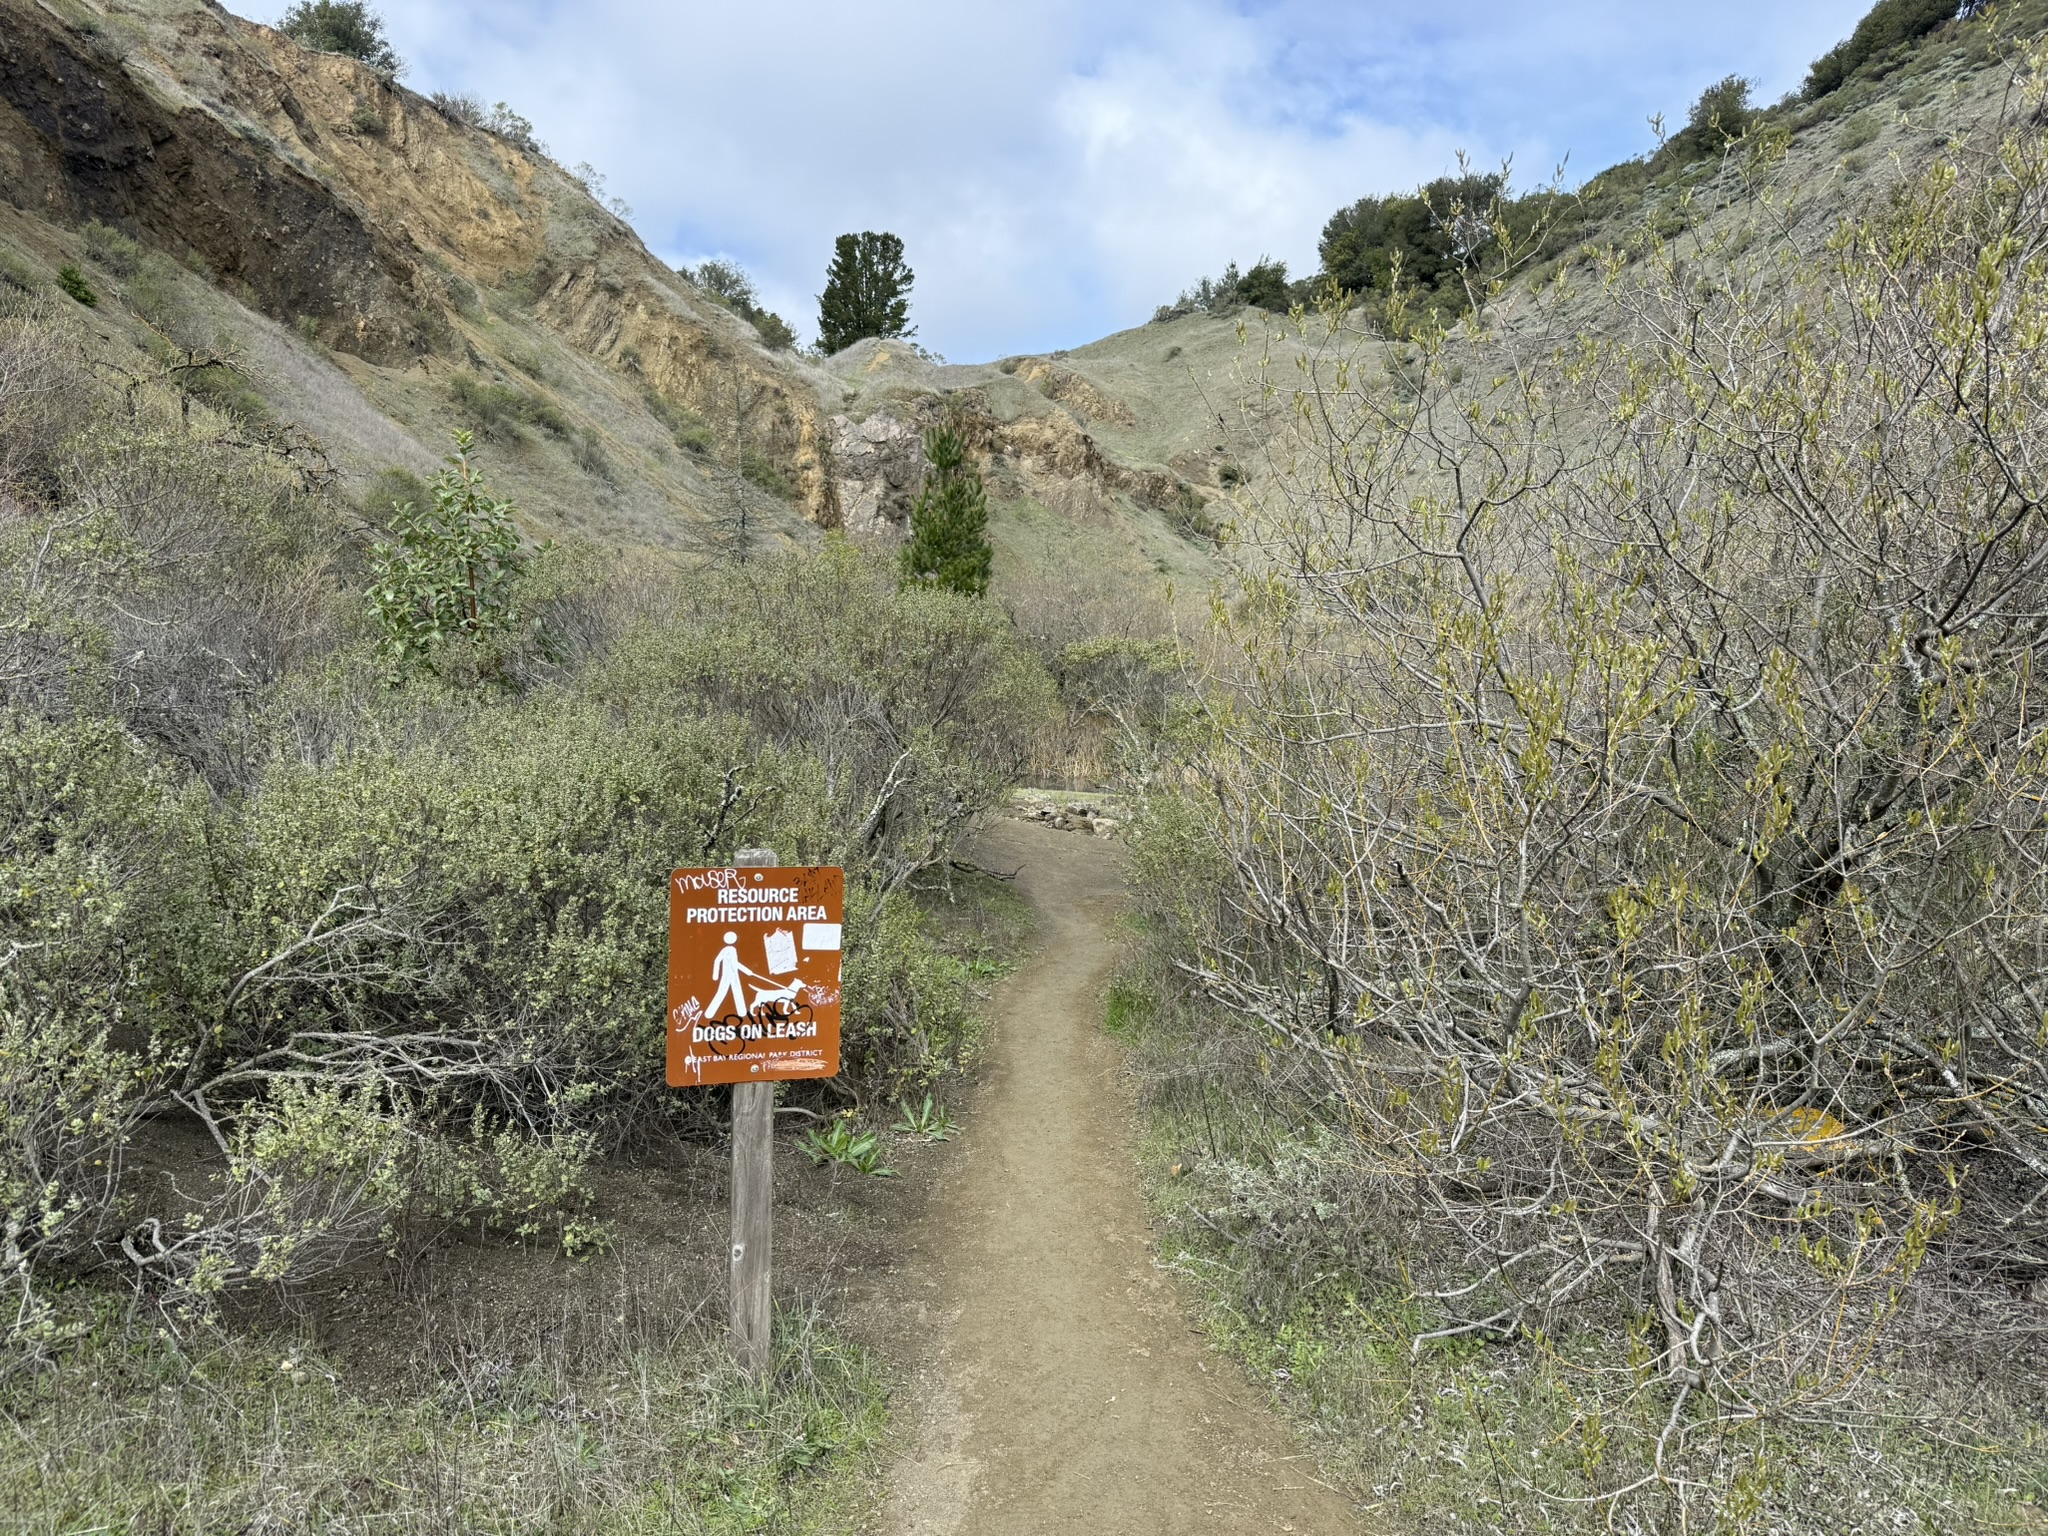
x=96 y=124
x=355 y=211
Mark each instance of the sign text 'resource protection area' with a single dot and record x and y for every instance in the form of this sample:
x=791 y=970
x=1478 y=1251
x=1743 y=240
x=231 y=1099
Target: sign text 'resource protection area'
x=753 y=974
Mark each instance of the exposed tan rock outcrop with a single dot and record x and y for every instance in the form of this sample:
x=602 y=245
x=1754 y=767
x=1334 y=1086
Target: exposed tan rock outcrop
x=1074 y=392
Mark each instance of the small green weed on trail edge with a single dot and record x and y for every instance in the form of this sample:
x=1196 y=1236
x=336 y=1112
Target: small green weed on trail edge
x=840 y=1143
x=137 y=1429
x=928 y=1120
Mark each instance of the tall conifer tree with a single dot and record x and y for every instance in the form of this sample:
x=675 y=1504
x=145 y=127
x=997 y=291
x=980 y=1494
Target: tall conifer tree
x=867 y=291
x=949 y=524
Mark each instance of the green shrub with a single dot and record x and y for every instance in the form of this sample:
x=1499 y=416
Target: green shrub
x=922 y=705
x=909 y=1013
x=112 y=249
x=1265 y=286
x=1722 y=112
x=68 y=1104
x=727 y=282
x=451 y=572
x=948 y=545
x=1887 y=25
x=776 y=333
x=501 y=412
x=495 y=895
x=348 y=27
x=103 y=888
x=73 y=282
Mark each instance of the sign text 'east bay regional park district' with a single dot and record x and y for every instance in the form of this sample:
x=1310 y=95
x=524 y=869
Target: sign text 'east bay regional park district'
x=753 y=974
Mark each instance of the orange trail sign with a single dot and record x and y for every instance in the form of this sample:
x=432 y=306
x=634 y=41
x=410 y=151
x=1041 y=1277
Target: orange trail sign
x=753 y=974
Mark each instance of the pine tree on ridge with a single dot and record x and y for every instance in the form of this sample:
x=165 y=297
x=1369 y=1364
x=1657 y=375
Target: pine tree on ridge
x=867 y=291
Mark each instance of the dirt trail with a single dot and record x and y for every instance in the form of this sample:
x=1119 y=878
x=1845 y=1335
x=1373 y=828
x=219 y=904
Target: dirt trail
x=1059 y=1386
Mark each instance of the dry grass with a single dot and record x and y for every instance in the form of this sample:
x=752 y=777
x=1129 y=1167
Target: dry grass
x=506 y=1391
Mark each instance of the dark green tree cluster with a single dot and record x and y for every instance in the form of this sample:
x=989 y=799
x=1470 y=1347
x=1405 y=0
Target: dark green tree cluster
x=1886 y=26
x=949 y=524
x=343 y=26
x=1265 y=286
x=1721 y=113
x=728 y=283
x=1419 y=231
x=867 y=291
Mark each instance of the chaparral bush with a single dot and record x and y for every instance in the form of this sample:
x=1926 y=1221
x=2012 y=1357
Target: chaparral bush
x=349 y=853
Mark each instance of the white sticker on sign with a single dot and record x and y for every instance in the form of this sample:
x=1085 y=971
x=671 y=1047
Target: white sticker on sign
x=821 y=935
x=782 y=951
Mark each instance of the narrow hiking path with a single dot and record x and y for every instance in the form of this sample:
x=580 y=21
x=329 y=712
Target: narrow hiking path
x=1058 y=1387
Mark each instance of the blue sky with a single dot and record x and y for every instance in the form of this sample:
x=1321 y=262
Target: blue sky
x=1059 y=167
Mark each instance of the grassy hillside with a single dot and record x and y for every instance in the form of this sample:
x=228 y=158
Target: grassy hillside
x=391 y=270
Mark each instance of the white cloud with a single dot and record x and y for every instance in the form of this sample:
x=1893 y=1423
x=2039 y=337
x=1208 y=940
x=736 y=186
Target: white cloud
x=1055 y=167
x=1175 y=169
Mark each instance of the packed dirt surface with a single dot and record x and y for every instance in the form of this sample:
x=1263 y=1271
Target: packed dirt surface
x=1058 y=1386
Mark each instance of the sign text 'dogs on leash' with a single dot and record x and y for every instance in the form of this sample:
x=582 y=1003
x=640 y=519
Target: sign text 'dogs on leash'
x=753 y=977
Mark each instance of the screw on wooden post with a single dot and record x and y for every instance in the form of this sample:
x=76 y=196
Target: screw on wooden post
x=753 y=1198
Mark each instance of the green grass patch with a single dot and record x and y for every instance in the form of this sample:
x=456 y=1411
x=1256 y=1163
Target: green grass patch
x=138 y=1429
x=501 y=412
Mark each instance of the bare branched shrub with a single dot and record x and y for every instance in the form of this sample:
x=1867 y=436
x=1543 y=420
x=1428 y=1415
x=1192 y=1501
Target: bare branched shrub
x=1113 y=658
x=920 y=706
x=1623 y=800
x=68 y=1104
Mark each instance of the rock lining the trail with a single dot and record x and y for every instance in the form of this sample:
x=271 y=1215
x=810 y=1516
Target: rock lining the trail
x=1078 y=816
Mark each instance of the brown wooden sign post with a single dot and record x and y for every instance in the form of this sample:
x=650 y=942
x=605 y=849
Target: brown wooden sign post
x=753 y=1000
